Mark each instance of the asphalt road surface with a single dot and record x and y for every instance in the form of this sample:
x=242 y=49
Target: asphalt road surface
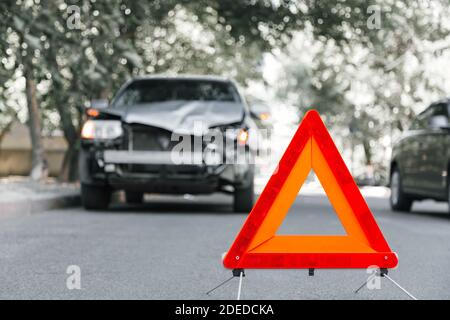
x=171 y=247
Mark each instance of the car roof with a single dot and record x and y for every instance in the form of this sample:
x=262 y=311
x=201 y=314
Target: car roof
x=183 y=77
x=187 y=77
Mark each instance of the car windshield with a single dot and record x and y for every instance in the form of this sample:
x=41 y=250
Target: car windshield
x=150 y=91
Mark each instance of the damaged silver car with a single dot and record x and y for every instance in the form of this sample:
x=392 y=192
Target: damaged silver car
x=171 y=135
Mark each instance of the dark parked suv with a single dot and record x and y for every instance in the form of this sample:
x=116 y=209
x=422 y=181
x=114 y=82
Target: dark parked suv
x=173 y=135
x=421 y=159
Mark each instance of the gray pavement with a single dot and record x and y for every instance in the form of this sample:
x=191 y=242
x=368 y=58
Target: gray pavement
x=171 y=248
x=23 y=195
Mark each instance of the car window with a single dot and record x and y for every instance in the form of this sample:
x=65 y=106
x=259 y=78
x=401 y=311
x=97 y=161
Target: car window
x=150 y=91
x=421 y=122
x=440 y=109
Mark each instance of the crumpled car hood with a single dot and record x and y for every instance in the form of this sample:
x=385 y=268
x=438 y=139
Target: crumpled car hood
x=181 y=116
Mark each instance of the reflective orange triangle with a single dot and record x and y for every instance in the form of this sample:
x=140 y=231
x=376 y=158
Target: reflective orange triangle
x=257 y=246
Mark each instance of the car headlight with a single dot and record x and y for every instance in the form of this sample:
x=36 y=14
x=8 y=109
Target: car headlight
x=101 y=130
x=240 y=135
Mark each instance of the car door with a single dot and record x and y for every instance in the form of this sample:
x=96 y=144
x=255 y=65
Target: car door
x=433 y=168
x=410 y=160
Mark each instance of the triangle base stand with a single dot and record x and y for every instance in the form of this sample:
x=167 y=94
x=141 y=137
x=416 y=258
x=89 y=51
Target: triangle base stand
x=240 y=273
x=237 y=273
x=383 y=273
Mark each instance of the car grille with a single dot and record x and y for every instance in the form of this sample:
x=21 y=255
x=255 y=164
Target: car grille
x=144 y=138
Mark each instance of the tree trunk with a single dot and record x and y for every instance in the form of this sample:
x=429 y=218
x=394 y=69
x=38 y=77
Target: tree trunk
x=5 y=130
x=69 y=168
x=367 y=152
x=39 y=168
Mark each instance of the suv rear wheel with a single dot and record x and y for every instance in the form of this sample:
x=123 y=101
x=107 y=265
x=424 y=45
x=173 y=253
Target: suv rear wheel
x=399 y=200
x=95 y=197
x=134 y=197
x=244 y=197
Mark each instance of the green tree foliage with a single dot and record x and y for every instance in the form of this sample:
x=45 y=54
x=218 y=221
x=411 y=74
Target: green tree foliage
x=370 y=82
x=78 y=50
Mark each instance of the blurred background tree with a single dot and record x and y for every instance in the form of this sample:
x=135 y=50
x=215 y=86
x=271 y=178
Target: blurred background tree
x=372 y=82
x=363 y=79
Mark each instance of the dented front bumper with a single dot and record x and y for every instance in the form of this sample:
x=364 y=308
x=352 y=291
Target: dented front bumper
x=158 y=172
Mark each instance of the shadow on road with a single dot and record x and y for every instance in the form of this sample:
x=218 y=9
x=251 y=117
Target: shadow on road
x=422 y=213
x=222 y=204
x=178 y=205
x=212 y=204
x=427 y=208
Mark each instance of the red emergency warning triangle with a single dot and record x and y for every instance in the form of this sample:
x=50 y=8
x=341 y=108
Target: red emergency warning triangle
x=257 y=245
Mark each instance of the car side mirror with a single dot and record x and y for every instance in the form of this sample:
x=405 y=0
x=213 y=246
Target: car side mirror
x=439 y=122
x=99 y=104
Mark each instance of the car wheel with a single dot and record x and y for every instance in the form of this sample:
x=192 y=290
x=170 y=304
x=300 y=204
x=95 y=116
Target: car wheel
x=134 y=197
x=95 y=197
x=399 y=200
x=244 y=197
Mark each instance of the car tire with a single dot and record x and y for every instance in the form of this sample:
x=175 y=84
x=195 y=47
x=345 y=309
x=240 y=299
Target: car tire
x=134 y=197
x=398 y=199
x=244 y=197
x=95 y=197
